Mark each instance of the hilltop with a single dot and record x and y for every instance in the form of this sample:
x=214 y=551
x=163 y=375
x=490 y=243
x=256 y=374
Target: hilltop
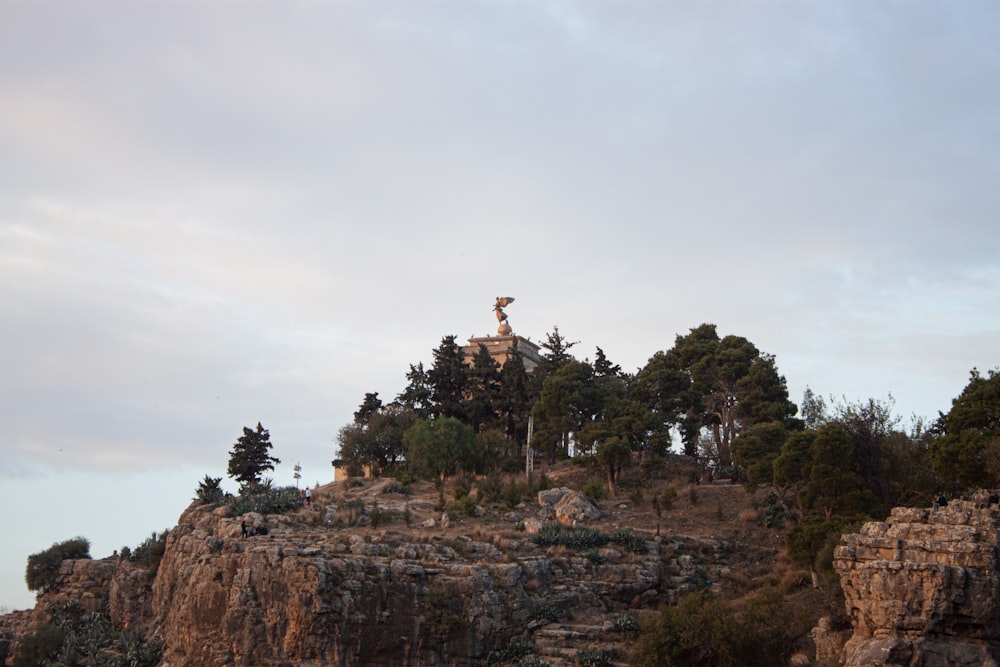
x=373 y=573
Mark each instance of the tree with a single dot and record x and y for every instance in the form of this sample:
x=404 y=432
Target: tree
x=556 y=352
x=569 y=402
x=249 y=456
x=482 y=404
x=40 y=574
x=437 y=448
x=377 y=443
x=448 y=379
x=369 y=406
x=966 y=454
x=515 y=399
x=418 y=392
x=614 y=454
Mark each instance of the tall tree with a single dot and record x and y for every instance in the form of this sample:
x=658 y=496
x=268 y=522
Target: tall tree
x=570 y=401
x=515 y=399
x=483 y=395
x=368 y=407
x=417 y=395
x=377 y=443
x=437 y=448
x=448 y=378
x=250 y=456
x=966 y=455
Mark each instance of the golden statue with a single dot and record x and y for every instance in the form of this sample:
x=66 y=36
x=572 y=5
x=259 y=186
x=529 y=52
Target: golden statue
x=501 y=302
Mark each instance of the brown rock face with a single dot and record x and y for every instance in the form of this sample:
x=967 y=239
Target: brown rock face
x=314 y=596
x=922 y=587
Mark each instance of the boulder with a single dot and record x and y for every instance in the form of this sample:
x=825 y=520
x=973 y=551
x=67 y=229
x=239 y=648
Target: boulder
x=574 y=507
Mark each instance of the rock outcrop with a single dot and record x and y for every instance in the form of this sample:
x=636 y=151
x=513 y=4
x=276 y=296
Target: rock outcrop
x=325 y=586
x=922 y=587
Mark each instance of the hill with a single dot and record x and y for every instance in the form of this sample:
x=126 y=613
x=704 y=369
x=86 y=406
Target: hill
x=377 y=572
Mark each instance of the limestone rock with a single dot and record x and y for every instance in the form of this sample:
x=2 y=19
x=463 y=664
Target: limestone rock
x=574 y=507
x=922 y=587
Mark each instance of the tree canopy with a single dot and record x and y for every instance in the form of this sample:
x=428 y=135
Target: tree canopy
x=250 y=456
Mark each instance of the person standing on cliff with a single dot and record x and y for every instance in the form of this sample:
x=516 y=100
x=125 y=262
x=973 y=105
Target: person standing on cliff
x=243 y=525
x=309 y=496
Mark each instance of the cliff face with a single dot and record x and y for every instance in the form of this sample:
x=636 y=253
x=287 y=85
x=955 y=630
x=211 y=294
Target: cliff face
x=303 y=595
x=325 y=586
x=922 y=587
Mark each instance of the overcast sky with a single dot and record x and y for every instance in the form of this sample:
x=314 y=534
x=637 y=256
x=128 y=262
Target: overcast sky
x=216 y=213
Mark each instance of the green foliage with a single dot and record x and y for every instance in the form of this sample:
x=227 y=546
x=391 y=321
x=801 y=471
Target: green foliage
x=444 y=613
x=586 y=657
x=75 y=637
x=264 y=499
x=462 y=508
x=42 y=568
x=805 y=539
x=701 y=631
x=772 y=514
x=626 y=538
x=575 y=537
x=511 y=652
x=215 y=544
x=594 y=489
x=209 y=492
x=376 y=442
x=250 y=456
x=396 y=487
x=437 y=448
x=625 y=624
x=40 y=648
x=966 y=455
x=151 y=551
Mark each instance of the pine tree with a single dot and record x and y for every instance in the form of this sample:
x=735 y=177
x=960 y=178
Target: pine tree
x=249 y=456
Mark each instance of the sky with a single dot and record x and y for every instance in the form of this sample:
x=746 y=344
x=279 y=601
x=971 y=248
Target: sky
x=214 y=213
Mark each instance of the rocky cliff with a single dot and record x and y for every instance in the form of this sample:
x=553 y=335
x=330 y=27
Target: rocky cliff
x=922 y=587
x=314 y=591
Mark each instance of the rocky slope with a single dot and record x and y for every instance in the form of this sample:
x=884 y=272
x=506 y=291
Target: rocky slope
x=364 y=577
x=922 y=587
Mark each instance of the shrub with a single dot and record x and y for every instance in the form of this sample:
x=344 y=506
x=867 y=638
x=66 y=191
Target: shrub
x=40 y=648
x=396 y=487
x=594 y=489
x=626 y=538
x=75 y=636
x=512 y=652
x=458 y=509
x=577 y=537
x=703 y=631
x=40 y=574
x=151 y=551
x=209 y=492
x=215 y=544
x=586 y=657
x=625 y=624
x=265 y=499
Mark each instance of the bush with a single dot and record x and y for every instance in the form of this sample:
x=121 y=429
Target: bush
x=625 y=624
x=458 y=509
x=75 y=636
x=703 y=631
x=209 y=492
x=577 y=537
x=40 y=648
x=396 y=487
x=626 y=538
x=594 y=489
x=264 y=499
x=512 y=652
x=40 y=575
x=151 y=551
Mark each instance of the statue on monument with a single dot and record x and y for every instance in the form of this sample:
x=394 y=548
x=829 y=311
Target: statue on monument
x=501 y=302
